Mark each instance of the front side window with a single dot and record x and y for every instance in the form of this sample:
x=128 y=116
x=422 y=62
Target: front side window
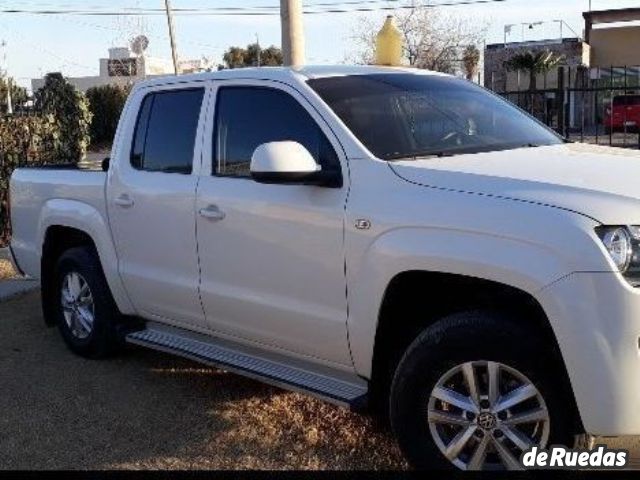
x=398 y=115
x=247 y=117
x=166 y=131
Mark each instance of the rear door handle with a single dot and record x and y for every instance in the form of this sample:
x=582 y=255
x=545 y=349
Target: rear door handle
x=124 y=201
x=212 y=212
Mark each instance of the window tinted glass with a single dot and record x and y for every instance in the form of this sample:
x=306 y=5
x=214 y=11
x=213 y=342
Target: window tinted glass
x=141 y=132
x=408 y=115
x=166 y=131
x=247 y=117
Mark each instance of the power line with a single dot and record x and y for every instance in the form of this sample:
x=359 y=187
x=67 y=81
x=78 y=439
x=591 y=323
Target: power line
x=148 y=34
x=198 y=9
x=408 y=7
x=238 y=11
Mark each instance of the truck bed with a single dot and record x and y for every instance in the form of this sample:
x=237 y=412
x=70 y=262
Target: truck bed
x=84 y=166
x=33 y=188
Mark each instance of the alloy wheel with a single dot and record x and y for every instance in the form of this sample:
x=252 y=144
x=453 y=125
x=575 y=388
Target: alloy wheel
x=483 y=415
x=77 y=305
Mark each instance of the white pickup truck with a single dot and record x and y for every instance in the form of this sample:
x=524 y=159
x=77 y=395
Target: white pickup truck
x=385 y=237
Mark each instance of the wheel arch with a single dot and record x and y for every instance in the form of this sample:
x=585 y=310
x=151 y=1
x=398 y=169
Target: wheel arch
x=66 y=224
x=449 y=293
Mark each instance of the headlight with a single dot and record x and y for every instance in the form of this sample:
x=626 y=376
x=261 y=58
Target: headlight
x=617 y=241
x=623 y=245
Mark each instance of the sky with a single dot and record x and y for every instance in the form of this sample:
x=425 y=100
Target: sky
x=36 y=45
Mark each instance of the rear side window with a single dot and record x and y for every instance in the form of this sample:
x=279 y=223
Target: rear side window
x=166 y=131
x=247 y=117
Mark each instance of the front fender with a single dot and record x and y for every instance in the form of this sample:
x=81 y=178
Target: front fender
x=86 y=218
x=518 y=263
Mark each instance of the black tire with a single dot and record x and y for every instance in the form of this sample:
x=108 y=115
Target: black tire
x=469 y=337
x=103 y=340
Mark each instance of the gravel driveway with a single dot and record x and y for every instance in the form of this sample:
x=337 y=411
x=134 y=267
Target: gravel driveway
x=148 y=410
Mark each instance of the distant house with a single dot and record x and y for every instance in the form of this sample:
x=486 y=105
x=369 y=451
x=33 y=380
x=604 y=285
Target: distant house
x=576 y=53
x=123 y=67
x=613 y=41
x=610 y=44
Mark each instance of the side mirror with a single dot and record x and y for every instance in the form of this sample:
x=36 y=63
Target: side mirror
x=290 y=163
x=105 y=164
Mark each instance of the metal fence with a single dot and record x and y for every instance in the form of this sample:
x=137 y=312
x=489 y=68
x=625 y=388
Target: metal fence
x=599 y=106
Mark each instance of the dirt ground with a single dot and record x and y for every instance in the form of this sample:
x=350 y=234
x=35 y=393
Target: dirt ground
x=148 y=410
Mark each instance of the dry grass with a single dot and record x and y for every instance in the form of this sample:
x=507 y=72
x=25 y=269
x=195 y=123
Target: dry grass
x=6 y=270
x=280 y=431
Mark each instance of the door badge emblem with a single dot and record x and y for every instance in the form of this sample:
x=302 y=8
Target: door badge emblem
x=363 y=224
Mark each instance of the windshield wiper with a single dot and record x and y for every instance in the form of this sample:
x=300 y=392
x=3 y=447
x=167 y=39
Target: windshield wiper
x=462 y=151
x=434 y=155
x=419 y=155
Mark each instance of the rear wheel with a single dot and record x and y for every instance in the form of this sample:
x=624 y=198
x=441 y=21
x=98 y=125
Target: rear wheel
x=86 y=313
x=474 y=392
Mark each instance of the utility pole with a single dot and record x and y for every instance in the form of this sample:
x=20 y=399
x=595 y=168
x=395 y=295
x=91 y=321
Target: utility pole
x=259 y=49
x=4 y=73
x=172 y=38
x=292 y=32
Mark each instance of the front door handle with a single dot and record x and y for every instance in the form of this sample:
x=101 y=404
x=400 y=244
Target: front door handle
x=124 y=201
x=212 y=212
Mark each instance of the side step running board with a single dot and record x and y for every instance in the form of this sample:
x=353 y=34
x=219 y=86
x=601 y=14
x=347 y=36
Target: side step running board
x=276 y=373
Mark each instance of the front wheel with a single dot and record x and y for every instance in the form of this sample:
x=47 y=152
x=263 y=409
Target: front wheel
x=474 y=391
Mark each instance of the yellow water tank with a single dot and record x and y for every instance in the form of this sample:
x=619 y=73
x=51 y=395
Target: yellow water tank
x=389 y=44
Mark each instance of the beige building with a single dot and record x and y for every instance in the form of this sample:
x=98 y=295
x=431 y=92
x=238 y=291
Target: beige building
x=613 y=41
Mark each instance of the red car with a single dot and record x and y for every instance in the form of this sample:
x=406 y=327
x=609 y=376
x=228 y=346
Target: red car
x=626 y=114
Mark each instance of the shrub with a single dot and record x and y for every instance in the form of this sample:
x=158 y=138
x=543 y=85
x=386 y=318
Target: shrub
x=18 y=95
x=71 y=110
x=26 y=140
x=106 y=103
x=59 y=133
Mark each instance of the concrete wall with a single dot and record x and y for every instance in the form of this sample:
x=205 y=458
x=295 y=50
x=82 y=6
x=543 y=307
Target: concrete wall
x=616 y=47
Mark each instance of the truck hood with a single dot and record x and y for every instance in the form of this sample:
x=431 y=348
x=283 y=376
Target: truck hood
x=600 y=182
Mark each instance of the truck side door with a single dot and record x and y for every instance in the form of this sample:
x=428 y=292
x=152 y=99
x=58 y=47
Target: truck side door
x=272 y=259
x=151 y=195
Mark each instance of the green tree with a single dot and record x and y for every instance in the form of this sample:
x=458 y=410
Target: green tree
x=238 y=57
x=18 y=94
x=106 y=103
x=70 y=108
x=533 y=63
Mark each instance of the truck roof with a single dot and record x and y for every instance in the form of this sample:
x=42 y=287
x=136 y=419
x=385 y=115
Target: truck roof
x=284 y=74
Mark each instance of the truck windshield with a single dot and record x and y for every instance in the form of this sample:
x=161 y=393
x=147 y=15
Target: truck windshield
x=399 y=115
